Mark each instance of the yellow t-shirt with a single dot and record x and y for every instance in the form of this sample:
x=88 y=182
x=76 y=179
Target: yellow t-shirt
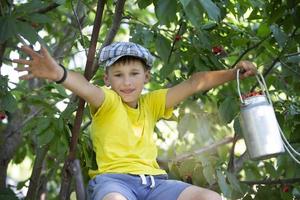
x=123 y=136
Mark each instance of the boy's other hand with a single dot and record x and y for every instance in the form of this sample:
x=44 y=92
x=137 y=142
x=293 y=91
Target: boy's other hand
x=247 y=69
x=41 y=65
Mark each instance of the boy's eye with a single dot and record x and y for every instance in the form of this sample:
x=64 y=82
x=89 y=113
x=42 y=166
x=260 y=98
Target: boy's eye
x=135 y=73
x=117 y=75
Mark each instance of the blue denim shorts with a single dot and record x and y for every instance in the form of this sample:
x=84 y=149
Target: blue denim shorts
x=135 y=187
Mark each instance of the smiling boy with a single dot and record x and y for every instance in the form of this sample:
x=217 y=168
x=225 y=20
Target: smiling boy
x=123 y=120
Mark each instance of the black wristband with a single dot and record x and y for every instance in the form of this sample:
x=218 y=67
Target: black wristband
x=64 y=75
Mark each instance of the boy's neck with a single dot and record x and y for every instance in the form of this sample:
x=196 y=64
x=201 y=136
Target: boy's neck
x=133 y=105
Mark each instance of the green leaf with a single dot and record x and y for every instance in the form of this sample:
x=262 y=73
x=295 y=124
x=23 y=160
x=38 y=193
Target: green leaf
x=21 y=184
x=163 y=47
x=39 y=18
x=9 y=103
x=7 y=194
x=27 y=31
x=29 y=126
x=294 y=59
x=194 y=12
x=263 y=30
x=46 y=137
x=203 y=40
x=144 y=3
x=67 y=113
x=296 y=192
x=186 y=168
x=208 y=171
x=30 y=6
x=233 y=181
x=8 y=28
x=165 y=11
x=60 y=2
x=184 y=124
x=61 y=90
x=43 y=124
x=279 y=35
x=174 y=170
x=252 y=172
x=228 y=109
x=271 y=170
x=212 y=10
x=20 y=155
x=224 y=186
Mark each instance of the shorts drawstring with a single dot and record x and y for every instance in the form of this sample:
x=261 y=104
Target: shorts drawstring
x=144 y=180
x=152 y=182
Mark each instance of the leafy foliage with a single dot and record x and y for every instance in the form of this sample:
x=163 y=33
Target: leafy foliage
x=181 y=34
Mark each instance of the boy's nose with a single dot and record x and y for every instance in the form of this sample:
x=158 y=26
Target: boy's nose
x=127 y=81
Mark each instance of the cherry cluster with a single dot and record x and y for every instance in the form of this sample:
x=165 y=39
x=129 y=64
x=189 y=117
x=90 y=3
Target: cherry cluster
x=252 y=94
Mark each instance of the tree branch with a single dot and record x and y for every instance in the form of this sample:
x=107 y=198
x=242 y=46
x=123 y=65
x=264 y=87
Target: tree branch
x=287 y=66
x=272 y=182
x=67 y=174
x=249 y=49
x=203 y=149
x=277 y=59
x=36 y=172
x=112 y=31
x=46 y=9
x=231 y=157
x=175 y=40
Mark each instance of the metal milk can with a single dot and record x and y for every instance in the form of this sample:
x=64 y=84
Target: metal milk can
x=259 y=124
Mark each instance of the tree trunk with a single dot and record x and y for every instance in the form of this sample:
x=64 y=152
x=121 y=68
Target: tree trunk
x=35 y=183
x=10 y=141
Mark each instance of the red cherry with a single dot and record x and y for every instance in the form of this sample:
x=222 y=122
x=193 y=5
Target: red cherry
x=285 y=188
x=177 y=37
x=2 y=116
x=34 y=25
x=217 y=49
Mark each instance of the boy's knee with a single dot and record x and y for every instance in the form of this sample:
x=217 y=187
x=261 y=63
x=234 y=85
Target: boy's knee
x=114 y=196
x=198 y=193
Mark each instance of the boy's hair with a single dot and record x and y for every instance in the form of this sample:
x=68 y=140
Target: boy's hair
x=115 y=51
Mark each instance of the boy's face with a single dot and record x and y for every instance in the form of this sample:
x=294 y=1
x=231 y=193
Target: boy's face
x=127 y=79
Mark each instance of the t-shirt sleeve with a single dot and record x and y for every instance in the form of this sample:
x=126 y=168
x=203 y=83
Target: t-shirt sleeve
x=109 y=103
x=157 y=103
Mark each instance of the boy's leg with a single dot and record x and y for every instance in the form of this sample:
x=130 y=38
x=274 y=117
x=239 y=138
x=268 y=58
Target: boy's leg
x=178 y=190
x=114 y=196
x=198 y=193
x=109 y=187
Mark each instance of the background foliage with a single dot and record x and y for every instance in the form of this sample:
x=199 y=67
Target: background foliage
x=185 y=36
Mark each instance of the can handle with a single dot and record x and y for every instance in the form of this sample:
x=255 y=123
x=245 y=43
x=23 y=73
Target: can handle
x=261 y=81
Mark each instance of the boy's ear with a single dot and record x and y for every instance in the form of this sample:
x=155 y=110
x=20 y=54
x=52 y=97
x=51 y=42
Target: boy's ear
x=147 y=77
x=106 y=80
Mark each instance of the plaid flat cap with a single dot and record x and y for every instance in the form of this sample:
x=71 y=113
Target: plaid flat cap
x=111 y=53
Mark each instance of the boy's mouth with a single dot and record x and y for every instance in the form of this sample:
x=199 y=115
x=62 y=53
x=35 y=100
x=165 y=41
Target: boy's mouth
x=127 y=91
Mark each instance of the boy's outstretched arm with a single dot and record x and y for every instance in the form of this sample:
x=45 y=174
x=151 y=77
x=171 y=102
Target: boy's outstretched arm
x=202 y=81
x=42 y=65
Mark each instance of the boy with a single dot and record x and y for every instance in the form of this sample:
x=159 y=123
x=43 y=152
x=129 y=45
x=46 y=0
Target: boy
x=124 y=120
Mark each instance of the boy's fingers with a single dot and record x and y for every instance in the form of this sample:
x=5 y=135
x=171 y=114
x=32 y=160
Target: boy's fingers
x=26 y=77
x=30 y=51
x=21 y=69
x=22 y=61
x=44 y=52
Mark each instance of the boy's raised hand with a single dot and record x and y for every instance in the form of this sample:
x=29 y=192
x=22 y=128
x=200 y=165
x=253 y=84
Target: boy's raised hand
x=247 y=69
x=41 y=65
